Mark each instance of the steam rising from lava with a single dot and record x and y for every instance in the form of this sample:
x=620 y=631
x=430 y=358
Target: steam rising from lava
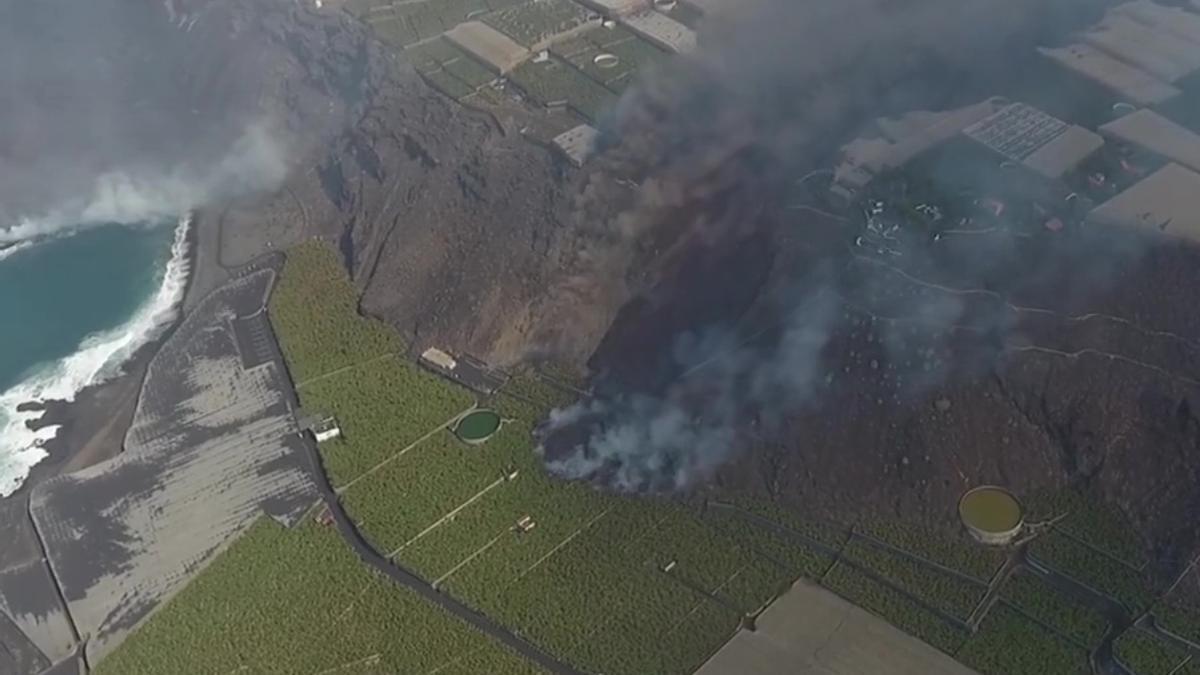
x=792 y=80
x=665 y=441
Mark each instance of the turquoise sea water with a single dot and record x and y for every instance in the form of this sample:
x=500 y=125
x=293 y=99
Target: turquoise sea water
x=72 y=308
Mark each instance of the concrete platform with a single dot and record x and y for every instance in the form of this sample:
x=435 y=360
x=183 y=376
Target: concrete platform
x=661 y=31
x=1154 y=133
x=212 y=447
x=812 y=631
x=491 y=47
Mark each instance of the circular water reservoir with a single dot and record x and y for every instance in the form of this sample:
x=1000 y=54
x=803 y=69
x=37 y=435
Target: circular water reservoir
x=606 y=60
x=477 y=426
x=991 y=514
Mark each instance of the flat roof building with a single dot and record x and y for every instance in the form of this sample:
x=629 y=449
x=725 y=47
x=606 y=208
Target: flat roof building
x=493 y=48
x=1130 y=82
x=1154 y=133
x=662 y=31
x=1167 y=201
x=904 y=139
x=1173 y=20
x=1035 y=139
x=576 y=144
x=616 y=7
x=1164 y=55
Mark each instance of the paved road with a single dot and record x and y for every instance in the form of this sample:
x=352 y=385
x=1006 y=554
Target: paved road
x=812 y=631
x=402 y=576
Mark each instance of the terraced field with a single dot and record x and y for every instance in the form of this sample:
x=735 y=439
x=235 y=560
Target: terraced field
x=1070 y=556
x=622 y=585
x=1048 y=605
x=894 y=606
x=1147 y=655
x=298 y=601
x=1009 y=644
x=590 y=64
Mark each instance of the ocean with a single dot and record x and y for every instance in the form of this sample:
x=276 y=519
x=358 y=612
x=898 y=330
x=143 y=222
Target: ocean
x=73 y=308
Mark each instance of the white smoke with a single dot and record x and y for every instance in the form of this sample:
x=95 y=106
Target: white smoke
x=255 y=162
x=638 y=442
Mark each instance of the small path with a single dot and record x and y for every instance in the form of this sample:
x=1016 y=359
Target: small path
x=1107 y=355
x=1030 y=310
x=1149 y=623
x=343 y=369
x=453 y=512
x=916 y=558
x=410 y=580
x=445 y=425
x=839 y=558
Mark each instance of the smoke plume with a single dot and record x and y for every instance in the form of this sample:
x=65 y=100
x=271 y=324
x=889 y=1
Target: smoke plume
x=775 y=88
x=127 y=111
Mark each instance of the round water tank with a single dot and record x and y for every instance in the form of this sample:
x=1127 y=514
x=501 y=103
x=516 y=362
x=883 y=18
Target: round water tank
x=991 y=514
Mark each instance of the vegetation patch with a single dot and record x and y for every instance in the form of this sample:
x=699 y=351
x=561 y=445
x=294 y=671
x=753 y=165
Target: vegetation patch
x=769 y=544
x=894 y=606
x=314 y=309
x=536 y=21
x=299 y=601
x=382 y=409
x=1047 y=604
x=943 y=591
x=632 y=54
x=415 y=490
x=448 y=68
x=1145 y=654
x=1081 y=562
x=1009 y=644
x=955 y=550
x=827 y=533
x=554 y=82
x=1180 y=619
x=1093 y=523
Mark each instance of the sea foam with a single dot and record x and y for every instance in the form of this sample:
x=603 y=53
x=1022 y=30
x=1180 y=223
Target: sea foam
x=99 y=357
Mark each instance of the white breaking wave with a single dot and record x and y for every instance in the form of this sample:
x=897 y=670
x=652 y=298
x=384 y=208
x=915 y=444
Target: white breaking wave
x=20 y=246
x=98 y=358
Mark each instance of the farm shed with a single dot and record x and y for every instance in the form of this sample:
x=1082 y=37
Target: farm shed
x=1154 y=133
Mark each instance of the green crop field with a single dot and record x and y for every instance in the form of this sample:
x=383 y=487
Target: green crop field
x=587 y=582
x=1094 y=524
x=299 y=601
x=612 y=583
x=1009 y=644
x=830 y=534
x=314 y=309
x=954 y=550
x=382 y=409
x=632 y=53
x=950 y=594
x=1146 y=654
x=535 y=21
x=555 y=82
x=1046 y=604
x=771 y=545
x=1180 y=619
x=1080 y=562
x=895 y=607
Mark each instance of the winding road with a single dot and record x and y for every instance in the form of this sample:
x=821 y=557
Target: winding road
x=404 y=577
